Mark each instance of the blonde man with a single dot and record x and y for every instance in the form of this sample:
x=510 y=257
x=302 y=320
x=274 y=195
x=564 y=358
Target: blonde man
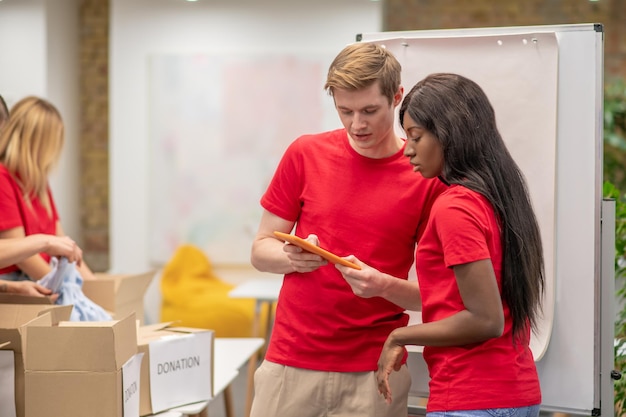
x=350 y=191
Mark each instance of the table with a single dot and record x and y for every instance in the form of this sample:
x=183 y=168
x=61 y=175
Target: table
x=229 y=355
x=264 y=291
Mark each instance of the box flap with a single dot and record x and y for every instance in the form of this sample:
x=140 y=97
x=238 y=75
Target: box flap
x=14 y=316
x=133 y=287
x=151 y=332
x=187 y=330
x=81 y=346
x=124 y=309
x=111 y=291
x=43 y=320
x=101 y=291
x=149 y=328
x=58 y=313
x=23 y=299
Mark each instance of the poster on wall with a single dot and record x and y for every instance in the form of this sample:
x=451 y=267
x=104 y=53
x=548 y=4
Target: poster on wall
x=218 y=125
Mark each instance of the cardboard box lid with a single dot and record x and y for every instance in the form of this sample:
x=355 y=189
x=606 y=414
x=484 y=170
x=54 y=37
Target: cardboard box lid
x=81 y=346
x=110 y=291
x=151 y=332
x=14 y=316
x=152 y=328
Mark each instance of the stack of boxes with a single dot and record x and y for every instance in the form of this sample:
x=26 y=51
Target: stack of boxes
x=53 y=367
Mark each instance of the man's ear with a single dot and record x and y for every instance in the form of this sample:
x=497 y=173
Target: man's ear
x=397 y=98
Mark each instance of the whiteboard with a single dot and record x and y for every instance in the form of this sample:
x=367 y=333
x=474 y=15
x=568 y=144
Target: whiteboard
x=545 y=83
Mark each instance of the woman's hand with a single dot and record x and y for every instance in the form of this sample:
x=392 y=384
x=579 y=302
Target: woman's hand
x=64 y=246
x=29 y=288
x=366 y=282
x=390 y=360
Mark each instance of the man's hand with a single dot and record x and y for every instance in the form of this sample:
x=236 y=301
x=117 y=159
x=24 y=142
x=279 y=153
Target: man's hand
x=302 y=260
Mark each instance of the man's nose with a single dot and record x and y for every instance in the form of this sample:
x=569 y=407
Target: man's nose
x=358 y=121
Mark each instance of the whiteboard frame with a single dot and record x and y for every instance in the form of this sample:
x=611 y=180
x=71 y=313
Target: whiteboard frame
x=578 y=223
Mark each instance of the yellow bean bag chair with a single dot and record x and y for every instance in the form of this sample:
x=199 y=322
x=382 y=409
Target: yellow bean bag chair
x=193 y=296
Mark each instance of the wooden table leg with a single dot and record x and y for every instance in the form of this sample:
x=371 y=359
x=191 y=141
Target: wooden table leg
x=253 y=361
x=228 y=402
x=252 y=364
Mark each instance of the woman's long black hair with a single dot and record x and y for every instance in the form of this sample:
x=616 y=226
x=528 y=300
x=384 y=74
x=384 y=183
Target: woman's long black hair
x=457 y=111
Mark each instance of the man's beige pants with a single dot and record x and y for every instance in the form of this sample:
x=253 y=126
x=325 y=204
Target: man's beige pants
x=283 y=391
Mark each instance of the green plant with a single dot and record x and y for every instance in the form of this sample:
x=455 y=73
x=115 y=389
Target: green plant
x=615 y=180
x=610 y=191
x=615 y=133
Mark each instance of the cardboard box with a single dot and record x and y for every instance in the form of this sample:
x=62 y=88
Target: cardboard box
x=79 y=369
x=120 y=295
x=177 y=366
x=6 y=298
x=7 y=382
x=13 y=318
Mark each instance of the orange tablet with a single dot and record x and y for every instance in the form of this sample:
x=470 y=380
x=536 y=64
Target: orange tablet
x=330 y=257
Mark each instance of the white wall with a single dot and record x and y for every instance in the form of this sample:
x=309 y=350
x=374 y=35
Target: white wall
x=39 y=56
x=23 y=46
x=140 y=28
x=62 y=89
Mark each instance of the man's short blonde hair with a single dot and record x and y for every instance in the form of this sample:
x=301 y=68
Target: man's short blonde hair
x=360 y=65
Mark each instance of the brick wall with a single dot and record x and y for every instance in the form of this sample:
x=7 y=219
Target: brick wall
x=450 y=14
x=94 y=132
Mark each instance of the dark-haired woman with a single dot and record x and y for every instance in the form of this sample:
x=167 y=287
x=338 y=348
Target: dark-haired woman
x=479 y=262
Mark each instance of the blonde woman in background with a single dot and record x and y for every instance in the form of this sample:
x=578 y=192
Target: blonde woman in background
x=30 y=146
x=18 y=249
x=4 y=112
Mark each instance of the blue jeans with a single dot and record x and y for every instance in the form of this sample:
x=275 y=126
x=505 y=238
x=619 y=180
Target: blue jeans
x=15 y=276
x=531 y=411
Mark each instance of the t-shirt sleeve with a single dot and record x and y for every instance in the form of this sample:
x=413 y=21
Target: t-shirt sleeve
x=460 y=225
x=9 y=211
x=434 y=188
x=283 y=195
